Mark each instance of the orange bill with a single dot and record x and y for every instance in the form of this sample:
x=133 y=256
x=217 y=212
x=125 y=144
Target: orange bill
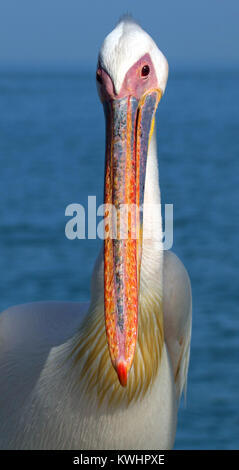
x=129 y=124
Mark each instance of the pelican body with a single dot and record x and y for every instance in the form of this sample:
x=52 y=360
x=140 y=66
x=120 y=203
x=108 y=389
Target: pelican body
x=108 y=374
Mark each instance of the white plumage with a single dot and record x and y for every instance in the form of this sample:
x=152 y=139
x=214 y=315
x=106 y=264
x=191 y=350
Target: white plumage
x=46 y=401
x=124 y=46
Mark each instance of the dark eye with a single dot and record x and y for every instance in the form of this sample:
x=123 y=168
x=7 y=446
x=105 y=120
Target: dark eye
x=98 y=76
x=145 y=71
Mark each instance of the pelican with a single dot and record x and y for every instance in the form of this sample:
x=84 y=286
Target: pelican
x=108 y=374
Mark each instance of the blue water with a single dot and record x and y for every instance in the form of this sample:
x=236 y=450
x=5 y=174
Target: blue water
x=52 y=154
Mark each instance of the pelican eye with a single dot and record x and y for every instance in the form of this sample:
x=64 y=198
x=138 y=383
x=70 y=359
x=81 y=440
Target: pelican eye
x=145 y=71
x=98 y=76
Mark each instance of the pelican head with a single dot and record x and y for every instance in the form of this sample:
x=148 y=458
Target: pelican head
x=131 y=78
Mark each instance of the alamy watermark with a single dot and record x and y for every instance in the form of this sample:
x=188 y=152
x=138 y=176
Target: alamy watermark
x=119 y=223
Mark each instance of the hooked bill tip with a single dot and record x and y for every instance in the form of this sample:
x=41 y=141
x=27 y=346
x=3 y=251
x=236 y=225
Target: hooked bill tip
x=122 y=372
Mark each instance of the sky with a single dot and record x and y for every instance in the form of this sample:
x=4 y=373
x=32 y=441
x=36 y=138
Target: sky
x=71 y=31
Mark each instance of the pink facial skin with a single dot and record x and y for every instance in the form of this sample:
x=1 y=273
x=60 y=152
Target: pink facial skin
x=134 y=84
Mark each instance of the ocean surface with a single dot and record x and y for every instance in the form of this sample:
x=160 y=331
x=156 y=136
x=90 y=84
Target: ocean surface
x=52 y=154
